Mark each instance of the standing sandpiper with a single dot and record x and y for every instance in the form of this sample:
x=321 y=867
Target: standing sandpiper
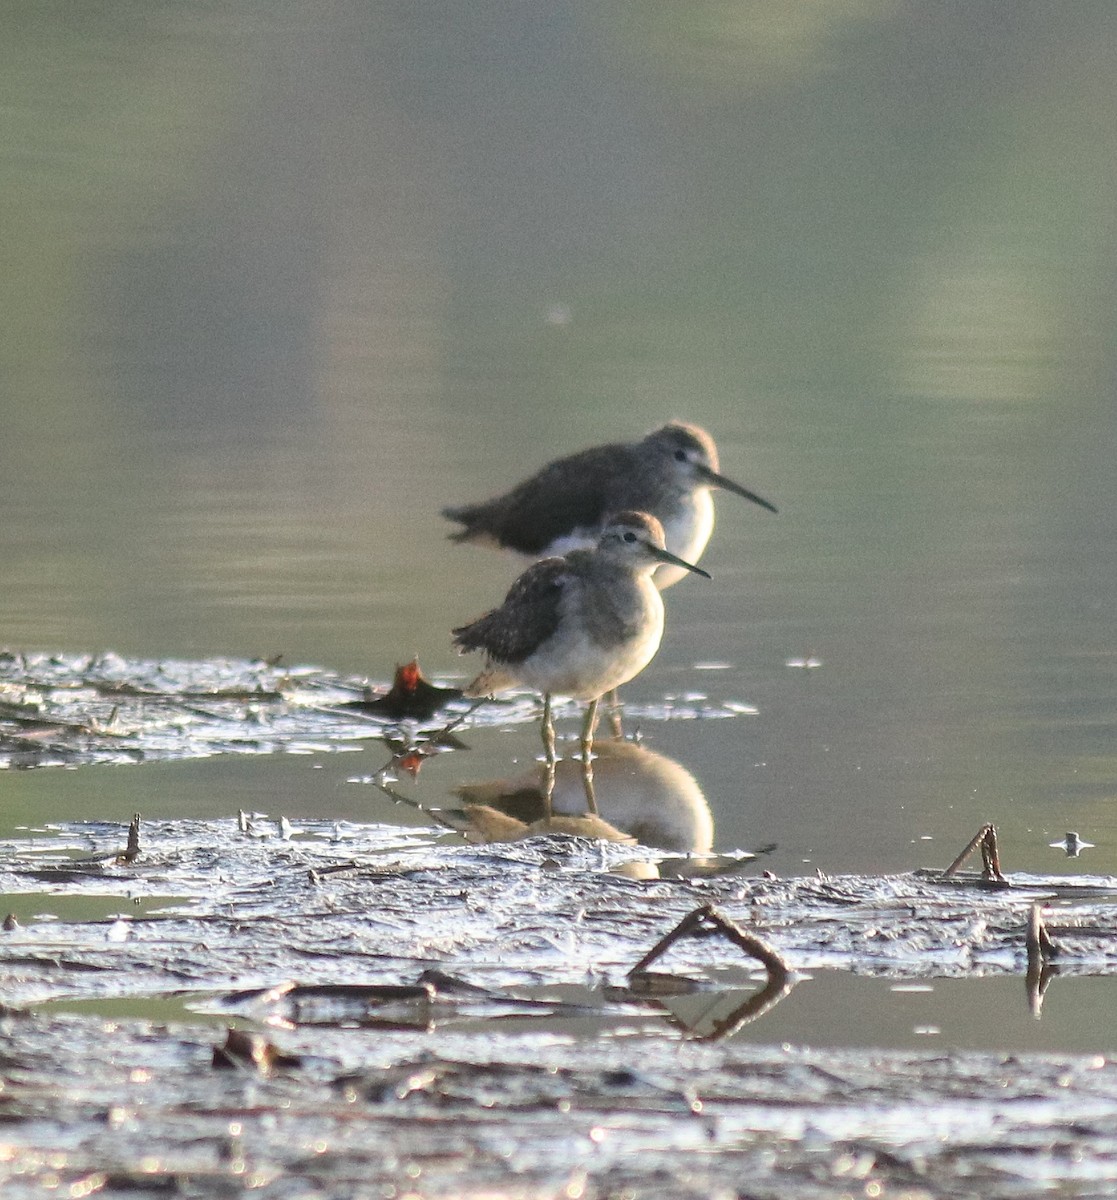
x=567 y=504
x=578 y=626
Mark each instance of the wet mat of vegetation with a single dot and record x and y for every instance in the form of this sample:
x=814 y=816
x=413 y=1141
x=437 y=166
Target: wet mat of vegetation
x=433 y=1018
x=271 y=901
x=114 y=1108
x=58 y=710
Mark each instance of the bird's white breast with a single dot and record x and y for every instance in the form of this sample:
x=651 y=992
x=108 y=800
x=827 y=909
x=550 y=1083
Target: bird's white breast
x=573 y=663
x=687 y=533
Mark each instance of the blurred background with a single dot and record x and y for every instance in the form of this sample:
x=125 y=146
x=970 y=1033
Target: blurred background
x=280 y=280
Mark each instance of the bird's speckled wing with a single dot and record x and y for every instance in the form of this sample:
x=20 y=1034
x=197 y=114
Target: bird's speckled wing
x=577 y=492
x=529 y=616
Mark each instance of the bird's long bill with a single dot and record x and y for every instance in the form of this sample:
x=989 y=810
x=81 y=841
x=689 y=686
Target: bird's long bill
x=667 y=557
x=721 y=482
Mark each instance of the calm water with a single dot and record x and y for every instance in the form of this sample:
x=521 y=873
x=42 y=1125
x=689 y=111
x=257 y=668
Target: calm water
x=281 y=282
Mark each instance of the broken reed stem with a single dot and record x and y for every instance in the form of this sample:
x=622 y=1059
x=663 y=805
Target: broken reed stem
x=1040 y=971
x=1038 y=941
x=132 y=850
x=460 y=719
x=990 y=856
x=707 y=919
x=986 y=838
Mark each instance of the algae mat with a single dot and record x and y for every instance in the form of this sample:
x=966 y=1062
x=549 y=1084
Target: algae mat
x=418 y=1016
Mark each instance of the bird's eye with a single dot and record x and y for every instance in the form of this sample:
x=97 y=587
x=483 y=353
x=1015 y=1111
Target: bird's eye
x=680 y=456
x=630 y=536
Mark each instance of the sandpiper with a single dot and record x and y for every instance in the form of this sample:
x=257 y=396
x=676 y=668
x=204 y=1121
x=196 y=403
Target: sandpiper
x=566 y=505
x=579 y=625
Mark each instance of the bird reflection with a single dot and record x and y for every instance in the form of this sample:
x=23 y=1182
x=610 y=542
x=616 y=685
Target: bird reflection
x=641 y=796
x=485 y=823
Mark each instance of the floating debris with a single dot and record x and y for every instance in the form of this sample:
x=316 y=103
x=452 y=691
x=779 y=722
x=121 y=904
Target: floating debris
x=427 y=1013
x=986 y=838
x=60 y=710
x=411 y=696
x=470 y=1114
x=706 y=921
x=387 y=903
x=244 y=1050
x=132 y=850
x=1072 y=845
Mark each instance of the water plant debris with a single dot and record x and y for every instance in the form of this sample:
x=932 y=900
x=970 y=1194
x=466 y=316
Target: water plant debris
x=70 y=710
x=393 y=1001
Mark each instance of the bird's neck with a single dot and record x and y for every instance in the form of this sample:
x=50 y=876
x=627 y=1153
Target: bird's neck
x=622 y=602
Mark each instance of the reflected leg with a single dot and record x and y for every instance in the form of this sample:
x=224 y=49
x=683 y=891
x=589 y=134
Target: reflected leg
x=616 y=713
x=588 y=727
x=548 y=733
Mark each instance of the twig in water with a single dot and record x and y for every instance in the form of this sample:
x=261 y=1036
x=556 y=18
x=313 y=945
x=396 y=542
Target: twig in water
x=706 y=920
x=132 y=850
x=986 y=837
x=1040 y=948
